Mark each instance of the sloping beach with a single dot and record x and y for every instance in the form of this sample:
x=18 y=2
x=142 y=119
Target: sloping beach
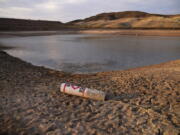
x=139 y=101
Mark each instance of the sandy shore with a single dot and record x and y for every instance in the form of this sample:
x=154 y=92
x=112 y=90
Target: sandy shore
x=95 y=31
x=140 y=101
x=135 y=32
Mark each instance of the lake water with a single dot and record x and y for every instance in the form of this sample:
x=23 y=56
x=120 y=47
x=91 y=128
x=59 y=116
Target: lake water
x=84 y=53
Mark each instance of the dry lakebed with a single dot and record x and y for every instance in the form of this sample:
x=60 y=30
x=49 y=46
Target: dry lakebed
x=143 y=100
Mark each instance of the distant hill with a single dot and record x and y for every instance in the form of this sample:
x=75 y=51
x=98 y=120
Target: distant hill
x=129 y=20
x=114 y=20
x=9 y=24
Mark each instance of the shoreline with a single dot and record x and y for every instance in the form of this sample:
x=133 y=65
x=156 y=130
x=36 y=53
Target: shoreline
x=140 y=101
x=135 y=32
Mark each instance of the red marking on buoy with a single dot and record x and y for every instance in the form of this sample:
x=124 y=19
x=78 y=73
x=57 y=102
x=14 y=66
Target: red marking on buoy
x=64 y=89
x=75 y=87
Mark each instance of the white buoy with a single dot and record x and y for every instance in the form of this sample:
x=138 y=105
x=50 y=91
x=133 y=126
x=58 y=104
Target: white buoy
x=82 y=92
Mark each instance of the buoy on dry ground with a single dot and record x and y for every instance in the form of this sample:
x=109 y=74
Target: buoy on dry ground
x=82 y=92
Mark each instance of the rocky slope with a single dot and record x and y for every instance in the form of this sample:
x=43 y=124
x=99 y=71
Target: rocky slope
x=131 y=20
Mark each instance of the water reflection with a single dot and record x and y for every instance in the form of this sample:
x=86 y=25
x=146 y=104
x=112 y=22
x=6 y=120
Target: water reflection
x=93 y=53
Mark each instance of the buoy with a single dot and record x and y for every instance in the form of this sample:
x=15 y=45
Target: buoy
x=82 y=92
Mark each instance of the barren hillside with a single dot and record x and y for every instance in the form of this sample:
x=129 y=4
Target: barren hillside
x=130 y=19
x=10 y=24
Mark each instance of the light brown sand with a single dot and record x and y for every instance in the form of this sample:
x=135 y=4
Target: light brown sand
x=135 y=32
x=140 y=101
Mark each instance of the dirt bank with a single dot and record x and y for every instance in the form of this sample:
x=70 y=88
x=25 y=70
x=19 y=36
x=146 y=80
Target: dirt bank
x=140 y=101
x=95 y=31
x=134 y=32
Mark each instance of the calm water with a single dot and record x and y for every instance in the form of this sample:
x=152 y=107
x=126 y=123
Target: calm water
x=93 y=53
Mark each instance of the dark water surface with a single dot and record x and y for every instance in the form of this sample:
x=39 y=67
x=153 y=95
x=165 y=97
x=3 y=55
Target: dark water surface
x=92 y=53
